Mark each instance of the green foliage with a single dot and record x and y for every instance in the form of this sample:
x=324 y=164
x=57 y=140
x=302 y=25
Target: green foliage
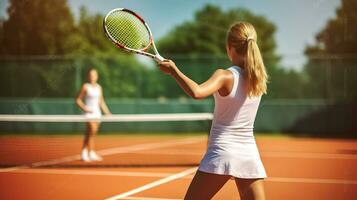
x=120 y=75
x=331 y=68
x=204 y=40
x=206 y=34
x=37 y=27
x=339 y=34
x=286 y=84
x=90 y=36
x=40 y=27
x=37 y=77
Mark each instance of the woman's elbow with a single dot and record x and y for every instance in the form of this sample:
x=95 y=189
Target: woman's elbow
x=78 y=101
x=197 y=95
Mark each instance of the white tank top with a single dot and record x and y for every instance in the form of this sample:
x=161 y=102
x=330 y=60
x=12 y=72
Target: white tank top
x=235 y=113
x=92 y=98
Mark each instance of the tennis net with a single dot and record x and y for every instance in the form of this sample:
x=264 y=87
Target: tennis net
x=56 y=140
x=109 y=118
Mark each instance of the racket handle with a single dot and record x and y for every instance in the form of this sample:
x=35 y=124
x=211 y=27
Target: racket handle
x=159 y=58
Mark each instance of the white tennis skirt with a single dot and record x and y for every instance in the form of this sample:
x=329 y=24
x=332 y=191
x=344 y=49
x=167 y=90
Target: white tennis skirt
x=238 y=157
x=93 y=115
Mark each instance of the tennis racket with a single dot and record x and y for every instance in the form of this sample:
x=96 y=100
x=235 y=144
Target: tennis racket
x=128 y=31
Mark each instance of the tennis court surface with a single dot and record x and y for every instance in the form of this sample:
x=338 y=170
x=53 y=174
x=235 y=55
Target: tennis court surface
x=158 y=167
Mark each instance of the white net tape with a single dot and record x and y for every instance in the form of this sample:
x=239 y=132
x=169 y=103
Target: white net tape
x=109 y=118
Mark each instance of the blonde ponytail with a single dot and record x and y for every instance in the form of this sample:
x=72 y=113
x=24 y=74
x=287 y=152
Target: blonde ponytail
x=242 y=37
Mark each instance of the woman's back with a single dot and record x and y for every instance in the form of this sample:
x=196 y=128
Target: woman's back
x=232 y=148
x=236 y=111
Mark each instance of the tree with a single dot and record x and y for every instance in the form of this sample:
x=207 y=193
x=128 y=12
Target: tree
x=37 y=27
x=339 y=34
x=1 y=29
x=89 y=37
x=198 y=47
x=332 y=64
x=41 y=28
x=206 y=34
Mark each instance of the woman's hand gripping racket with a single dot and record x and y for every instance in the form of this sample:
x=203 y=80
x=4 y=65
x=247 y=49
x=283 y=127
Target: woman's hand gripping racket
x=129 y=31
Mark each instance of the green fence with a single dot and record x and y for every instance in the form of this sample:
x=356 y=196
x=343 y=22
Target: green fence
x=320 y=100
x=312 y=117
x=332 y=78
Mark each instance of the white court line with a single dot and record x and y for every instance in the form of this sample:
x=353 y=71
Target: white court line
x=110 y=151
x=173 y=152
x=148 y=198
x=154 y=184
x=92 y=172
x=265 y=154
x=161 y=175
x=311 y=180
x=10 y=169
x=308 y=155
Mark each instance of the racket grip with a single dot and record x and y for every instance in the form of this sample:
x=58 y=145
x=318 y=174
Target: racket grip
x=159 y=58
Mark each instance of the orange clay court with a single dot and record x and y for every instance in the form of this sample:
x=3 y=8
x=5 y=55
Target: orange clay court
x=161 y=168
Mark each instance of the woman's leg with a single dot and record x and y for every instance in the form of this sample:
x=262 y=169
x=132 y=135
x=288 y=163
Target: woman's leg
x=205 y=185
x=87 y=135
x=250 y=189
x=87 y=142
x=93 y=156
x=94 y=126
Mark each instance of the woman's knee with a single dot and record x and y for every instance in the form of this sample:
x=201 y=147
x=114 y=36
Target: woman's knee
x=91 y=128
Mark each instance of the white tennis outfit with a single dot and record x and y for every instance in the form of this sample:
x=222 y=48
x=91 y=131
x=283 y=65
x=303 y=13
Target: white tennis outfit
x=92 y=100
x=232 y=149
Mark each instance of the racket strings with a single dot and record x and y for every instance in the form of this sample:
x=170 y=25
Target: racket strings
x=126 y=29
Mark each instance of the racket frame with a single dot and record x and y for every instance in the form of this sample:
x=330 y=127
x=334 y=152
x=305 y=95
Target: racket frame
x=143 y=51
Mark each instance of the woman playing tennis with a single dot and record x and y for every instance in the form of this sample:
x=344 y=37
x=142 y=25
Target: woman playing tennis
x=94 y=102
x=232 y=150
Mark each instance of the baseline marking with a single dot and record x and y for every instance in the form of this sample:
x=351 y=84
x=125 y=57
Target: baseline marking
x=154 y=184
x=10 y=169
x=311 y=180
x=92 y=172
x=267 y=154
x=105 y=152
x=162 y=175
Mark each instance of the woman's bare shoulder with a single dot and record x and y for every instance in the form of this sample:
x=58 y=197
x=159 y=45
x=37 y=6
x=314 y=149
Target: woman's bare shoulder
x=223 y=73
x=84 y=86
